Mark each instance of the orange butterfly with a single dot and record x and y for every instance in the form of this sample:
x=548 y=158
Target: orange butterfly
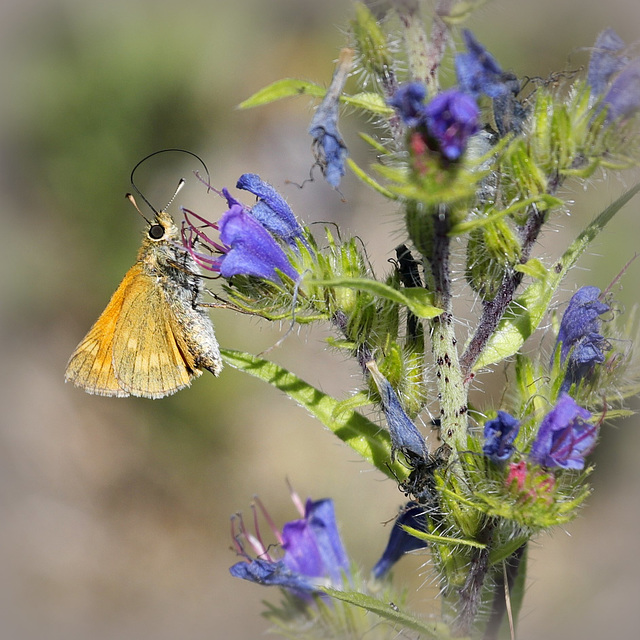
x=154 y=336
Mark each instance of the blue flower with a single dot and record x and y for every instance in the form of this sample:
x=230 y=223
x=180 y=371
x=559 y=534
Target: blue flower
x=614 y=76
x=271 y=210
x=605 y=61
x=623 y=97
x=580 y=336
x=499 y=434
x=452 y=118
x=400 y=542
x=448 y=120
x=328 y=146
x=478 y=72
x=313 y=552
x=408 y=101
x=564 y=437
x=312 y=544
x=404 y=434
x=271 y=574
x=252 y=249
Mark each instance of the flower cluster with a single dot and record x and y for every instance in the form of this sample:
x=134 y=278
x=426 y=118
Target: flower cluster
x=477 y=169
x=313 y=553
x=249 y=237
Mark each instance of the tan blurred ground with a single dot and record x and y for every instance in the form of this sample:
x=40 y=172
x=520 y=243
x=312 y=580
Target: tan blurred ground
x=114 y=514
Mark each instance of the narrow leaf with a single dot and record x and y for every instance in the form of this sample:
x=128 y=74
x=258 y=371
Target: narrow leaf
x=385 y=610
x=369 y=181
x=466 y=226
x=285 y=88
x=362 y=435
x=430 y=537
x=525 y=313
x=372 y=102
x=416 y=299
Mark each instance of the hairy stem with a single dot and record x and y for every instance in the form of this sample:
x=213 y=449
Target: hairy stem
x=451 y=390
x=503 y=587
x=493 y=310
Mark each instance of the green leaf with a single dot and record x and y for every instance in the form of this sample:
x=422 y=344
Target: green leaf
x=533 y=268
x=362 y=435
x=291 y=87
x=372 y=102
x=392 y=614
x=468 y=225
x=369 y=181
x=430 y=537
x=525 y=312
x=416 y=299
x=379 y=147
x=285 y=88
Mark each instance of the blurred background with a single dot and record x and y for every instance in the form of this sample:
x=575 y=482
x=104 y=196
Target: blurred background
x=114 y=513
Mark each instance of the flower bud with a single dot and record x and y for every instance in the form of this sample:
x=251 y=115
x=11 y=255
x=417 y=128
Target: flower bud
x=371 y=44
x=492 y=250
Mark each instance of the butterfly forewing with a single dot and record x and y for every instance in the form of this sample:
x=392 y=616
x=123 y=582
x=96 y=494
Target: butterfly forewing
x=146 y=358
x=90 y=366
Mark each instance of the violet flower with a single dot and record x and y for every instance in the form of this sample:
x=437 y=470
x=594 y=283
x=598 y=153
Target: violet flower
x=564 y=437
x=623 y=97
x=404 y=434
x=479 y=73
x=605 y=60
x=401 y=542
x=452 y=118
x=328 y=146
x=271 y=210
x=313 y=552
x=580 y=336
x=448 y=120
x=614 y=76
x=499 y=434
x=408 y=101
x=253 y=250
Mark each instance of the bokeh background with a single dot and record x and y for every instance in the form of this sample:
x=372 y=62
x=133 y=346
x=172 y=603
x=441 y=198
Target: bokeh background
x=114 y=513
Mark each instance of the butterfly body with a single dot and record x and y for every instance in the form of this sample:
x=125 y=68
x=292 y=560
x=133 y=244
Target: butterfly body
x=154 y=336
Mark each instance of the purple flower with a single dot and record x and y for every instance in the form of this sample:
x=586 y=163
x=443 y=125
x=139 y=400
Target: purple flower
x=478 y=72
x=328 y=146
x=448 y=120
x=614 y=76
x=605 y=61
x=400 y=542
x=271 y=210
x=580 y=335
x=404 y=434
x=499 y=434
x=408 y=101
x=564 y=437
x=452 y=118
x=253 y=250
x=312 y=545
x=623 y=97
x=313 y=552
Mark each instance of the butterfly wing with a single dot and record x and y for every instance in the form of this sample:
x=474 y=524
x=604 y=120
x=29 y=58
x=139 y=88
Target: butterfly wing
x=147 y=360
x=91 y=364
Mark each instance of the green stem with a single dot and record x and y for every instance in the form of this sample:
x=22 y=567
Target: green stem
x=416 y=43
x=452 y=392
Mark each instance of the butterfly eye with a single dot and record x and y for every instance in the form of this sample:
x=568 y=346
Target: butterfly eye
x=156 y=231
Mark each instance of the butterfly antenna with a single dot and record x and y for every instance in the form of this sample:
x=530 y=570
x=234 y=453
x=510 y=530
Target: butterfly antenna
x=180 y=184
x=132 y=200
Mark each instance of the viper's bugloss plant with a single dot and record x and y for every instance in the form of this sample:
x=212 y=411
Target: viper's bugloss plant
x=480 y=161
